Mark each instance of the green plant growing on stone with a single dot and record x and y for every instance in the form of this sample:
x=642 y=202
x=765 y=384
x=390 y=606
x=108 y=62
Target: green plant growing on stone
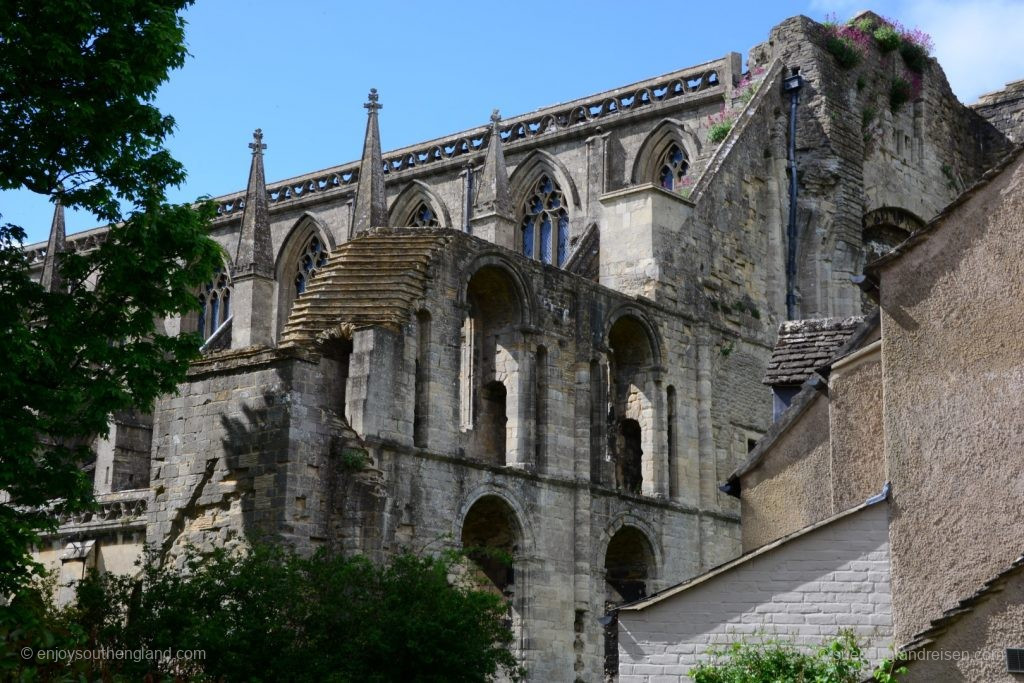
x=721 y=124
x=727 y=349
x=889 y=670
x=353 y=459
x=900 y=92
x=887 y=38
x=915 y=46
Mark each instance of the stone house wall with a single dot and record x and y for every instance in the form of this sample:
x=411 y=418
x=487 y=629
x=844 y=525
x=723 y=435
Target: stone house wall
x=955 y=293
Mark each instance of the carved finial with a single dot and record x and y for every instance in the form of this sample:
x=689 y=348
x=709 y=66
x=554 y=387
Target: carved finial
x=373 y=105
x=495 y=116
x=257 y=145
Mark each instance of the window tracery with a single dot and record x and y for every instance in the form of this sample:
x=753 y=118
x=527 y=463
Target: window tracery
x=674 y=166
x=423 y=217
x=310 y=261
x=214 y=304
x=545 y=224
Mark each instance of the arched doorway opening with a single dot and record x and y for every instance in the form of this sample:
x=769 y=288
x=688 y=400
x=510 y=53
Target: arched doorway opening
x=628 y=567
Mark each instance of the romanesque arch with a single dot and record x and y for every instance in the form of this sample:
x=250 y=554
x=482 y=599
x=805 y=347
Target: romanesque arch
x=632 y=398
x=303 y=254
x=418 y=206
x=655 y=153
x=492 y=534
x=886 y=227
x=493 y=374
x=630 y=564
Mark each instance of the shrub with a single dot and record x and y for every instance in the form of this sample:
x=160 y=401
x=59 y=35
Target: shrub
x=887 y=38
x=899 y=93
x=914 y=56
x=768 y=661
x=720 y=130
x=271 y=615
x=846 y=53
x=846 y=43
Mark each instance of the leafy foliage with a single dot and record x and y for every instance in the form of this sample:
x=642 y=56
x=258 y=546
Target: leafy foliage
x=77 y=79
x=76 y=123
x=771 y=661
x=900 y=92
x=271 y=615
x=887 y=37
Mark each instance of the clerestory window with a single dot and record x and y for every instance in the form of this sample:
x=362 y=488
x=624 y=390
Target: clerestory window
x=545 y=224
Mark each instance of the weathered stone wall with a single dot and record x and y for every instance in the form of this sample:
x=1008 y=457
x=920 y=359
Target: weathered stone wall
x=855 y=155
x=242 y=451
x=956 y=294
x=807 y=589
x=1004 y=109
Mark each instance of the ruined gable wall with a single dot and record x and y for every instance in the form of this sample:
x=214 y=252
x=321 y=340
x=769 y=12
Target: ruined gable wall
x=1004 y=109
x=855 y=156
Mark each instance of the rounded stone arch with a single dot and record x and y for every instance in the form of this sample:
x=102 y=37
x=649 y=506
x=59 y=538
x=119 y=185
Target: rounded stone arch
x=295 y=244
x=629 y=520
x=639 y=318
x=530 y=169
x=520 y=286
x=409 y=199
x=885 y=227
x=657 y=143
x=494 y=490
x=629 y=566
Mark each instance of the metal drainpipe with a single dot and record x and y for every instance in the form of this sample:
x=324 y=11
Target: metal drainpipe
x=792 y=86
x=469 y=198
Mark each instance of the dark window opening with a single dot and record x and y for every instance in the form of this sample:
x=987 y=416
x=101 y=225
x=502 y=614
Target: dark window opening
x=493 y=420
x=631 y=457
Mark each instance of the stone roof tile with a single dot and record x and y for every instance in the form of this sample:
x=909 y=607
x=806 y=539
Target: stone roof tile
x=804 y=346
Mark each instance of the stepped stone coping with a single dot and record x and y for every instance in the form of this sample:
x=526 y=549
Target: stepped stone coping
x=372 y=280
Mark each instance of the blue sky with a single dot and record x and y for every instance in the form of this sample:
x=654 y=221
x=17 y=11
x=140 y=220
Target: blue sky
x=301 y=72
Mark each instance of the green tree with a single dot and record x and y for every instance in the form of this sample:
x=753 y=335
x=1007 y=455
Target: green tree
x=271 y=615
x=77 y=123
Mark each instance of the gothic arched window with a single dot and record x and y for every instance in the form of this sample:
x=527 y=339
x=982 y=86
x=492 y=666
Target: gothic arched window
x=310 y=261
x=674 y=166
x=545 y=223
x=423 y=217
x=214 y=304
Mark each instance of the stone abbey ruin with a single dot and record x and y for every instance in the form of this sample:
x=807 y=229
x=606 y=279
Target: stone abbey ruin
x=547 y=335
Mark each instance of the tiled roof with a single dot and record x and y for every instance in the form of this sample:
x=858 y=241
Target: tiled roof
x=950 y=616
x=372 y=280
x=806 y=345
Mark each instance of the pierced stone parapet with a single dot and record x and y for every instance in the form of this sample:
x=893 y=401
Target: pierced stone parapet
x=114 y=510
x=702 y=79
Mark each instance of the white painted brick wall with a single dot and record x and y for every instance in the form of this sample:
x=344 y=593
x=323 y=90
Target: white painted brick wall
x=804 y=591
